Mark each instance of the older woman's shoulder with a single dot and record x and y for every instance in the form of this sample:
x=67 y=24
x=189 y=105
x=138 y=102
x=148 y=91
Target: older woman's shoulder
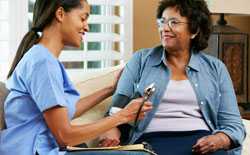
x=209 y=58
x=145 y=52
x=211 y=61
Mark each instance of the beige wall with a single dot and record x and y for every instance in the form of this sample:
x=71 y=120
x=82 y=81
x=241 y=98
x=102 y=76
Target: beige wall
x=145 y=28
x=229 y=6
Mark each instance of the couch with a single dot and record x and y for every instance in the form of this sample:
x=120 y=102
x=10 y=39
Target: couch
x=90 y=83
x=87 y=84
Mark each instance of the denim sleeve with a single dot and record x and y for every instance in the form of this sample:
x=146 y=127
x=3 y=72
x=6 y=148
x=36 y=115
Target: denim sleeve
x=127 y=81
x=229 y=119
x=130 y=76
x=125 y=92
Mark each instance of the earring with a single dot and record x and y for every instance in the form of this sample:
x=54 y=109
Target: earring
x=193 y=36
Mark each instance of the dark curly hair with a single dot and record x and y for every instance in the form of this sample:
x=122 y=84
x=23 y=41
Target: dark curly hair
x=198 y=16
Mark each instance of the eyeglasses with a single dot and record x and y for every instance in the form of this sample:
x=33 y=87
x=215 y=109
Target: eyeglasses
x=172 y=23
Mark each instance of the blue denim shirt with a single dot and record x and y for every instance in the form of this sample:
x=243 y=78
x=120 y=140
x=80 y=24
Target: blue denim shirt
x=209 y=79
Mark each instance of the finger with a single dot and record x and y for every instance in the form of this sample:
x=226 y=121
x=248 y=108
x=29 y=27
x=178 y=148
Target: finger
x=107 y=143
x=146 y=108
x=101 y=144
x=199 y=142
x=204 y=145
x=148 y=103
x=213 y=147
x=141 y=116
x=205 y=149
x=199 y=145
x=101 y=141
x=134 y=104
x=115 y=143
x=139 y=100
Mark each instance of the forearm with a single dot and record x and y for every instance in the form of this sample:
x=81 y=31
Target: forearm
x=90 y=101
x=226 y=142
x=235 y=133
x=85 y=132
x=78 y=134
x=69 y=135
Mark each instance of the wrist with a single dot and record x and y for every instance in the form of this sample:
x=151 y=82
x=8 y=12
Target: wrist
x=121 y=117
x=226 y=141
x=114 y=110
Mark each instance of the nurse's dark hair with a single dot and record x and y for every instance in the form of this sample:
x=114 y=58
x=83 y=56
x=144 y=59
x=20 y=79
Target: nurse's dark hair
x=43 y=15
x=198 y=15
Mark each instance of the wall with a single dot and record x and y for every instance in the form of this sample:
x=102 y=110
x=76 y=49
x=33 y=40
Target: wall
x=4 y=38
x=229 y=6
x=145 y=28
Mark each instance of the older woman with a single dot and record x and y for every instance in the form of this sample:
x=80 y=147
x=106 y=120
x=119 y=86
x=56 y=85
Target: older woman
x=195 y=107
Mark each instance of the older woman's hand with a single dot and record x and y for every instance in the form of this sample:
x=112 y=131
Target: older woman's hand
x=212 y=143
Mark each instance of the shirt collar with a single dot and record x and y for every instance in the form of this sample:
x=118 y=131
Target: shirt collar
x=158 y=57
x=194 y=62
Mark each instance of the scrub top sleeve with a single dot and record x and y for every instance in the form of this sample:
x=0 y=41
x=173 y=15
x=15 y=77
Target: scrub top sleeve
x=46 y=85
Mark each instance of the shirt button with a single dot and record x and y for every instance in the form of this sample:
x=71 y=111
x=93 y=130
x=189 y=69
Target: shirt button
x=220 y=95
x=202 y=102
x=196 y=85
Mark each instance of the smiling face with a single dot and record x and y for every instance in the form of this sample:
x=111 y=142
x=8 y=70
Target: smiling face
x=178 y=37
x=74 y=25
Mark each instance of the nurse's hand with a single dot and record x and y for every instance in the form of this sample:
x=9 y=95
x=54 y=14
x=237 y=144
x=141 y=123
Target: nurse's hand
x=110 y=138
x=128 y=114
x=117 y=75
x=212 y=143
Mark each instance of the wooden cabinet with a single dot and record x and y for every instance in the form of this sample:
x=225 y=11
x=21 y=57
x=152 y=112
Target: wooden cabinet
x=231 y=46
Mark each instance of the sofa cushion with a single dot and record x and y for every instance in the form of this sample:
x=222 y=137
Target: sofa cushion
x=3 y=93
x=246 y=143
x=88 y=85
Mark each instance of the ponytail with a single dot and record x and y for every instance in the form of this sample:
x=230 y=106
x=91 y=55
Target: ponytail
x=28 y=41
x=43 y=14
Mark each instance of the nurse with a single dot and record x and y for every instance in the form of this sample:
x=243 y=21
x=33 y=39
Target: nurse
x=42 y=99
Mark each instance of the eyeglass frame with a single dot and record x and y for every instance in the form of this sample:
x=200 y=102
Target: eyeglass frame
x=162 y=22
